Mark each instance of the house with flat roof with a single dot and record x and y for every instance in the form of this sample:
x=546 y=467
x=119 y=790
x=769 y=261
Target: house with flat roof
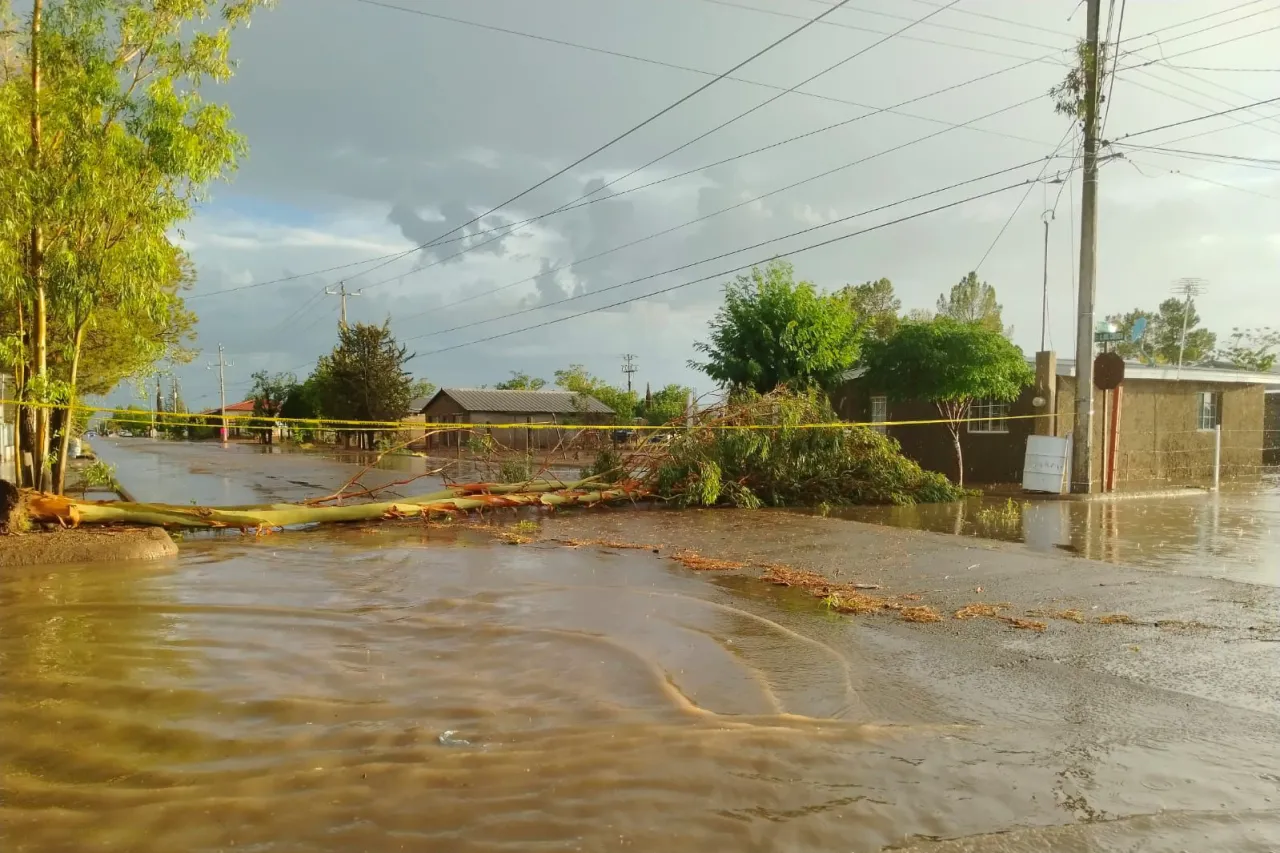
x=560 y=411
x=1166 y=433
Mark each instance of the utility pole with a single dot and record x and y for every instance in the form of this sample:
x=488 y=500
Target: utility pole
x=159 y=407
x=629 y=367
x=1082 y=443
x=1048 y=217
x=342 y=292
x=222 y=391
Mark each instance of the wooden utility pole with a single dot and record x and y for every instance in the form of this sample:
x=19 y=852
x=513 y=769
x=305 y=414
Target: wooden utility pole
x=629 y=367
x=1082 y=442
x=222 y=392
x=342 y=292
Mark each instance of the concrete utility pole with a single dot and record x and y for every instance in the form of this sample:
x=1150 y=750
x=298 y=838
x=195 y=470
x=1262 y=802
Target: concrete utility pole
x=1048 y=217
x=222 y=391
x=1082 y=443
x=629 y=367
x=342 y=292
x=1188 y=287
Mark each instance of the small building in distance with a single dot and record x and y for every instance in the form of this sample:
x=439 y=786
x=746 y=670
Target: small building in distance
x=480 y=406
x=236 y=414
x=1166 y=437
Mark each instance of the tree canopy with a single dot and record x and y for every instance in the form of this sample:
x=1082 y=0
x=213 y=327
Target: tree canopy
x=774 y=331
x=577 y=379
x=1161 y=340
x=1251 y=349
x=875 y=306
x=521 y=382
x=950 y=364
x=972 y=301
x=364 y=379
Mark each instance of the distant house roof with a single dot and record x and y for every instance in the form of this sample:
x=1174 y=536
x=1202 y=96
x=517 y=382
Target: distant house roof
x=417 y=404
x=244 y=406
x=521 y=402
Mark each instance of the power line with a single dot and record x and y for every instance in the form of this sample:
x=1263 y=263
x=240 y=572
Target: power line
x=1208 y=156
x=620 y=136
x=1049 y=57
x=713 y=130
x=739 y=250
x=723 y=273
x=1193 y=120
x=707 y=216
x=1203 y=179
x=1200 y=106
x=732 y=5
x=1025 y=196
x=1115 y=60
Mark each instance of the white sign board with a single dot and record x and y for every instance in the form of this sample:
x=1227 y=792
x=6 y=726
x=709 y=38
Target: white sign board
x=1047 y=461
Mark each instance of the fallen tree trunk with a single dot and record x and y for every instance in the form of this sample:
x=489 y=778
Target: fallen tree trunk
x=471 y=497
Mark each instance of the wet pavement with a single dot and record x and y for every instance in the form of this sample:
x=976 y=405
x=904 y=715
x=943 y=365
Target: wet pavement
x=393 y=687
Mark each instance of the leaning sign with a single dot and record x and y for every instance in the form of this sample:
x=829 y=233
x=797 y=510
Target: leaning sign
x=1046 y=464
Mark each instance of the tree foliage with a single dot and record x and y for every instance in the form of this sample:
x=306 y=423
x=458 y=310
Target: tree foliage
x=521 y=382
x=876 y=306
x=666 y=405
x=1161 y=340
x=123 y=148
x=950 y=364
x=972 y=301
x=577 y=379
x=364 y=379
x=1251 y=349
x=773 y=331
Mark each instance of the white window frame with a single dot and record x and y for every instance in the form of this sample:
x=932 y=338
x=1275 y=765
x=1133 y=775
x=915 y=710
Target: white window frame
x=1209 y=411
x=879 y=413
x=982 y=414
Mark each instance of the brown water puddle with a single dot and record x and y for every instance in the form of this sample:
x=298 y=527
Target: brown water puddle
x=393 y=689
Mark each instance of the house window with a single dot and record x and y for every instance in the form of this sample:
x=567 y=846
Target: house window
x=984 y=416
x=879 y=413
x=1210 y=416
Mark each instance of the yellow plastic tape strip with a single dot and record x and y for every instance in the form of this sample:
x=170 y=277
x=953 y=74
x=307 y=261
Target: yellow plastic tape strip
x=336 y=425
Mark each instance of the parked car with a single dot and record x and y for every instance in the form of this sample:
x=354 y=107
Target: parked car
x=124 y=433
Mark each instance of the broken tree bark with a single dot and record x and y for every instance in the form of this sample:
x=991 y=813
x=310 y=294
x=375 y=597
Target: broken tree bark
x=465 y=498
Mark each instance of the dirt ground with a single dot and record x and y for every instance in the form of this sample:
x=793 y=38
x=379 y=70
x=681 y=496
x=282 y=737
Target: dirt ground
x=50 y=547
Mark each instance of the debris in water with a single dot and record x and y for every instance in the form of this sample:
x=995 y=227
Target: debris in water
x=699 y=563
x=919 y=614
x=979 y=610
x=1116 y=619
x=608 y=543
x=448 y=739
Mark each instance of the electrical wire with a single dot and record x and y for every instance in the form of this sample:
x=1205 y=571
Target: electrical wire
x=736 y=251
x=1025 y=196
x=732 y=5
x=713 y=130
x=704 y=217
x=721 y=274
x=1203 y=179
x=1260 y=117
x=397 y=255
x=620 y=136
x=1264 y=161
x=1115 y=60
x=1193 y=120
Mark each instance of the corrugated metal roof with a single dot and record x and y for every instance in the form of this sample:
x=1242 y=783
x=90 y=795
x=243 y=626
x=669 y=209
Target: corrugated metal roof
x=523 y=402
x=526 y=402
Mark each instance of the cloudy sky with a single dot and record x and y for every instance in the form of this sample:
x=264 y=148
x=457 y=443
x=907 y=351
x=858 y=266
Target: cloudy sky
x=374 y=130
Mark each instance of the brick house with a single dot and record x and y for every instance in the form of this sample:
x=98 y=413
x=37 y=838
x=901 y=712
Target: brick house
x=1166 y=436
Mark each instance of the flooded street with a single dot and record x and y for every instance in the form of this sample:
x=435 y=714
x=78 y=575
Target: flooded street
x=394 y=687
x=1232 y=534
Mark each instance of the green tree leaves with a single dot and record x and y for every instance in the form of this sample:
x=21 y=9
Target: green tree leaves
x=773 y=331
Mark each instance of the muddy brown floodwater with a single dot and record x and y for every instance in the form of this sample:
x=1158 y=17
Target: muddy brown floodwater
x=394 y=688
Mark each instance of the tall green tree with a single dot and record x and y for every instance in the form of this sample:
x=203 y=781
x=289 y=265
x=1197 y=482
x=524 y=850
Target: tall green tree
x=521 y=382
x=1251 y=349
x=774 y=331
x=876 y=306
x=972 y=301
x=950 y=364
x=577 y=379
x=270 y=392
x=666 y=405
x=364 y=378
x=105 y=145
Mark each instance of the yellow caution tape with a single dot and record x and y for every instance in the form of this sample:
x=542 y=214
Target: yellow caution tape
x=339 y=425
